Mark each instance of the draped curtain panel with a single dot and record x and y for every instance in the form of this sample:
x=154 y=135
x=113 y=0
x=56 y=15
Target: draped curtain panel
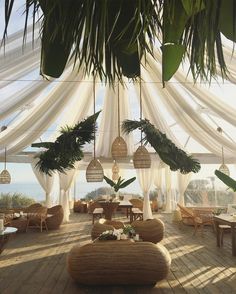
x=168 y=187
x=183 y=181
x=145 y=179
x=47 y=182
x=66 y=180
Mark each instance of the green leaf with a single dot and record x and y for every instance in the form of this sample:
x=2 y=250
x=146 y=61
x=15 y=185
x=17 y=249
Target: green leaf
x=191 y=7
x=172 y=55
x=128 y=182
x=109 y=181
x=227 y=22
x=231 y=183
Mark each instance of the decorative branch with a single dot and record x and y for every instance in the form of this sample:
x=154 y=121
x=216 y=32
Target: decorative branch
x=176 y=158
x=67 y=149
x=120 y=184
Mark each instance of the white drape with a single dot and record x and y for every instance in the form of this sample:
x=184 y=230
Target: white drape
x=108 y=129
x=183 y=181
x=145 y=179
x=66 y=180
x=168 y=189
x=46 y=182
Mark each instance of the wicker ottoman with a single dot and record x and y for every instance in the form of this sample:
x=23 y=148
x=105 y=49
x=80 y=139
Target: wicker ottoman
x=119 y=263
x=151 y=230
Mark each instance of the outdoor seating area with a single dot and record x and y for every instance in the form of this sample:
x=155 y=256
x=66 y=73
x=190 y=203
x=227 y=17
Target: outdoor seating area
x=117 y=147
x=40 y=260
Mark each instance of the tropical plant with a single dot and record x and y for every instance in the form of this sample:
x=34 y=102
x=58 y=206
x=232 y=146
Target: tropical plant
x=231 y=183
x=176 y=158
x=67 y=149
x=15 y=200
x=120 y=184
x=110 y=37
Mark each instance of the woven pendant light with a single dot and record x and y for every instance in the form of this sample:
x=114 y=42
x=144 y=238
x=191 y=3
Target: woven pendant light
x=115 y=172
x=119 y=147
x=142 y=158
x=94 y=171
x=223 y=167
x=5 y=177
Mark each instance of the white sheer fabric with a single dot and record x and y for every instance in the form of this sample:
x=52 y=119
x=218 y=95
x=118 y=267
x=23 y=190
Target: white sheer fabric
x=183 y=181
x=108 y=129
x=46 y=182
x=145 y=179
x=168 y=187
x=66 y=180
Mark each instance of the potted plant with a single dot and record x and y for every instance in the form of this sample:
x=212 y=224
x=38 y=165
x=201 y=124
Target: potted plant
x=121 y=183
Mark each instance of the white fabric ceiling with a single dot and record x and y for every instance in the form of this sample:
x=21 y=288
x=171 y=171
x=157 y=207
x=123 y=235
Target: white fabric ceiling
x=34 y=108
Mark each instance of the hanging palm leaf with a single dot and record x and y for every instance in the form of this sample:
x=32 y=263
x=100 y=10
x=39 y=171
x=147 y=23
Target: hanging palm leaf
x=228 y=181
x=176 y=158
x=109 y=37
x=62 y=154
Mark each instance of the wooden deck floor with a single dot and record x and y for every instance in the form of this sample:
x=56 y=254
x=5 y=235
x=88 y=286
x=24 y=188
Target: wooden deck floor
x=36 y=262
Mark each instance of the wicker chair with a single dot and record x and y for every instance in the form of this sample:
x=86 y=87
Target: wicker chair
x=32 y=207
x=151 y=230
x=37 y=218
x=54 y=218
x=92 y=205
x=198 y=217
x=137 y=203
x=119 y=263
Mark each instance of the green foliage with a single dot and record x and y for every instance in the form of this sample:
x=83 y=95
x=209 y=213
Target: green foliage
x=15 y=200
x=67 y=149
x=120 y=184
x=231 y=183
x=109 y=38
x=176 y=158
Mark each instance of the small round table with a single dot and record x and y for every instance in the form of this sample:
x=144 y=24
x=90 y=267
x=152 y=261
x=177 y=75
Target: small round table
x=4 y=236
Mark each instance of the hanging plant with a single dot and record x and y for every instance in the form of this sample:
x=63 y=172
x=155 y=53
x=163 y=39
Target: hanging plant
x=109 y=38
x=176 y=158
x=62 y=154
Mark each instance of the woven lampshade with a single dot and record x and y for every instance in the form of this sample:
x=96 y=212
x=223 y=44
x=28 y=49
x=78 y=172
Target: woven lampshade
x=224 y=169
x=142 y=158
x=5 y=177
x=94 y=172
x=119 y=148
x=115 y=172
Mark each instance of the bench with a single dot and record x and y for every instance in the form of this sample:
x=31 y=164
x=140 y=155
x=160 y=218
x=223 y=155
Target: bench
x=97 y=213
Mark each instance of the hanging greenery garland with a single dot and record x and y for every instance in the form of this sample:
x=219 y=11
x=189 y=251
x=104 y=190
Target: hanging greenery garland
x=62 y=154
x=176 y=158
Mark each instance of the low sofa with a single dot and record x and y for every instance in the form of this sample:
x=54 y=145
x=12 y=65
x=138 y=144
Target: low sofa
x=122 y=262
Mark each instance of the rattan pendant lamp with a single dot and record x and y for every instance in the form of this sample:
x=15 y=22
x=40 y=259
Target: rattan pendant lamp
x=119 y=147
x=94 y=172
x=142 y=158
x=223 y=168
x=5 y=177
x=115 y=171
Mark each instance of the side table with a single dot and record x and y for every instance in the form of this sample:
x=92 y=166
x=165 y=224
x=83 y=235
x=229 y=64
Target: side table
x=4 y=236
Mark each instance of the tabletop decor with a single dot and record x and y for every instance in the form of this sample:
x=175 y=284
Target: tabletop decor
x=128 y=232
x=119 y=184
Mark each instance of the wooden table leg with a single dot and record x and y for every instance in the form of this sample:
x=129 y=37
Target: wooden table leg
x=233 y=237
x=217 y=233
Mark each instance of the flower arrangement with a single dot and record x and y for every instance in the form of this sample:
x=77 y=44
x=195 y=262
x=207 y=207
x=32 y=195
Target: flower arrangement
x=118 y=234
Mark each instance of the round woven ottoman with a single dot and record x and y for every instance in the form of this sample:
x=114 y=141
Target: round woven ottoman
x=105 y=225
x=119 y=263
x=151 y=230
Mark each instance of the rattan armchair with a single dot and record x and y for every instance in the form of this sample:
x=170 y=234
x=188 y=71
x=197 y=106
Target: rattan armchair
x=37 y=218
x=198 y=218
x=54 y=218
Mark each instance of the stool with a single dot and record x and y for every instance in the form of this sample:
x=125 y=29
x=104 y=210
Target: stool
x=98 y=212
x=222 y=228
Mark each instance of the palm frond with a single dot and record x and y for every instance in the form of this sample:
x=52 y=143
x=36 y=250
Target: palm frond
x=228 y=181
x=120 y=184
x=67 y=149
x=176 y=158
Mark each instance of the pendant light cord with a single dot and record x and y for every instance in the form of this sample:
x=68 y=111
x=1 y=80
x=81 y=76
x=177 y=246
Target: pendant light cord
x=118 y=92
x=5 y=164
x=141 y=109
x=94 y=145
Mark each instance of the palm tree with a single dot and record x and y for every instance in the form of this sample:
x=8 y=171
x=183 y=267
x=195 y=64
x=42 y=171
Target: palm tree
x=111 y=37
